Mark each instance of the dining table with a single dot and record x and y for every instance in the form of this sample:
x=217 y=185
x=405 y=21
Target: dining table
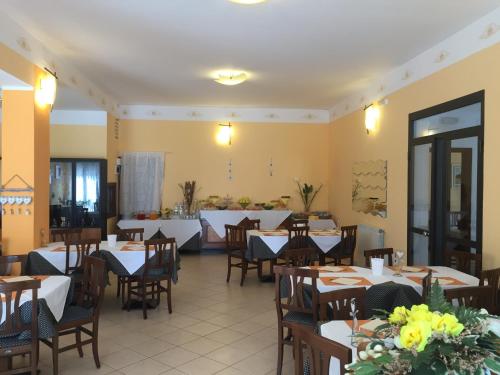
x=269 y=244
x=125 y=258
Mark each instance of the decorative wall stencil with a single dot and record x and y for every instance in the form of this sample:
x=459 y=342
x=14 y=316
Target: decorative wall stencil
x=116 y=129
x=230 y=170
x=369 y=187
x=271 y=167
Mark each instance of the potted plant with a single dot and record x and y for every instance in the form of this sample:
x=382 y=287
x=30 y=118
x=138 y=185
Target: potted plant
x=188 y=190
x=307 y=194
x=244 y=202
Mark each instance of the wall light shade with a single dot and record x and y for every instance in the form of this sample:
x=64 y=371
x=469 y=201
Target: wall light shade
x=248 y=2
x=47 y=90
x=225 y=134
x=372 y=114
x=230 y=78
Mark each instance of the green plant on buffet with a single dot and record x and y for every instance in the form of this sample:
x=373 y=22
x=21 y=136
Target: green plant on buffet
x=307 y=194
x=434 y=338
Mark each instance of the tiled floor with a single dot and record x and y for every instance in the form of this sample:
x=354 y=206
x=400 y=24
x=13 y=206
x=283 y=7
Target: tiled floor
x=215 y=328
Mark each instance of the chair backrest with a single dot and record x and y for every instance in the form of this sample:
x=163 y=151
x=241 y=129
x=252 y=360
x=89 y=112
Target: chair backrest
x=299 y=257
x=426 y=285
x=82 y=248
x=290 y=291
x=130 y=234
x=339 y=302
x=492 y=278
x=65 y=234
x=378 y=253
x=250 y=223
x=348 y=238
x=94 y=283
x=464 y=261
x=474 y=296
x=298 y=237
x=317 y=351
x=236 y=238
x=7 y=261
x=298 y=223
x=10 y=302
x=161 y=263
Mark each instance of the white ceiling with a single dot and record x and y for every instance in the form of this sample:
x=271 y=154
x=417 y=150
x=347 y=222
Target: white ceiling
x=300 y=53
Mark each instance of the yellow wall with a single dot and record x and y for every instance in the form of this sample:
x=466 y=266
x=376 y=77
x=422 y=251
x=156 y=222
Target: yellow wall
x=111 y=154
x=78 y=141
x=297 y=150
x=350 y=143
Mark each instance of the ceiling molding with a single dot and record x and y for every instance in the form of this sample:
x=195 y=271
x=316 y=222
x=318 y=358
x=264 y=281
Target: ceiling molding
x=263 y=115
x=24 y=43
x=479 y=35
x=85 y=118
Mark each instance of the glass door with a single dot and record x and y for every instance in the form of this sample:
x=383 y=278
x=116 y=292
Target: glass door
x=61 y=193
x=445 y=180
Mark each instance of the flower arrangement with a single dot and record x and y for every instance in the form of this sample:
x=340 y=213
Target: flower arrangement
x=188 y=190
x=432 y=338
x=244 y=202
x=307 y=194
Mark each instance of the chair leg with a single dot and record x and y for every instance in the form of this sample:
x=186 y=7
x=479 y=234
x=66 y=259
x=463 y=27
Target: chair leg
x=169 y=296
x=118 y=286
x=228 y=268
x=244 y=267
x=95 y=349
x=259 y=268
x=55 y=354
x=123 y=283
x=144 y=301
x=129 y=286
x=78 y=337
x=158 y=293
x=280 y=351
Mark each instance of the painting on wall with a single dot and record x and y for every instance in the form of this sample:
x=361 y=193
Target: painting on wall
x=369 y=187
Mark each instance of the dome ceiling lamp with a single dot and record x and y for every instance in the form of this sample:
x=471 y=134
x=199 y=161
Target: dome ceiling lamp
x=248 y=2
x=230 y=77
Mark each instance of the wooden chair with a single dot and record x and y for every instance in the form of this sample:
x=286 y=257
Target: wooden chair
x=474 y=296
x=378 y=253
x=317 y=351
x=426 y=286
x=11 y=344
x=298 y=223
x=130 y=234
x=298 y=237
x=65 y=234
x=83 y=248
x=7 y=261
x=492 y=278
x=291 y=305
x=157 y=268
x=339 y=303
x=463 y=261
x=299 y=257
x=84 y=316
x=345 y=249
x=249 y=224
x=236 y=246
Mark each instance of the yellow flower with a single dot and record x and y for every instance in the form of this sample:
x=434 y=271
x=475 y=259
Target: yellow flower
x=419 y=313
x=399 y=315
x=415 y=335
x=447 y=323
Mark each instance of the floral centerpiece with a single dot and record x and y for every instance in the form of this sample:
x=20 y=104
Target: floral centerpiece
x=307 y=194
x=244 y=202
x=432 y=338
x=188 y=189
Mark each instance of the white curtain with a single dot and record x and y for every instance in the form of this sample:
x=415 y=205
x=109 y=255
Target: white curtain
x=87 y=184
x=142 y=181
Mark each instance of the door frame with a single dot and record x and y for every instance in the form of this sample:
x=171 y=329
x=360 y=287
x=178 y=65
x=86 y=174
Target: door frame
x=476 y=131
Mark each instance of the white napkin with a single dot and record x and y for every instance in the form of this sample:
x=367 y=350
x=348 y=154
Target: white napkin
x=331 y=269
x=411 y=269
x=346 y=281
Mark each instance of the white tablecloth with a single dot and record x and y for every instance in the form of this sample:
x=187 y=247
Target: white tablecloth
x=54 y=289
x=367 y=279
x=269 y=219
x=181 y=230
x=322 y=224
x=132 y=258
x=275 y=240
x=339 y=331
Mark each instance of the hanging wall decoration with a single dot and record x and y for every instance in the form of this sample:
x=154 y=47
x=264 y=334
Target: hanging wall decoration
x=369 y=187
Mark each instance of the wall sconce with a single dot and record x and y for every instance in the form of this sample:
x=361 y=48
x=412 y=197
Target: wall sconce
x=47 y=89
x=372 y=114
x=224 y=135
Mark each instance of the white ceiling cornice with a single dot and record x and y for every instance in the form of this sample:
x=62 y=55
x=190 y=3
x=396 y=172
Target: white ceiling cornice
x=266 y=115
x=479 y=35
x=24 y=43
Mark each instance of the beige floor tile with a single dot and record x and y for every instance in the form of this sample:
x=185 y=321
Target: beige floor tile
x=228 y=355
x=202 y=346
x=226 y=336
x=178 y=337
x=146 y=367
x=247 y=327
x=173 y=372
x=175 y=357
x=256 y=365
x=231 y=371
x=151 y=347
x=202 y=328
x=122 y=358
x=202 y=366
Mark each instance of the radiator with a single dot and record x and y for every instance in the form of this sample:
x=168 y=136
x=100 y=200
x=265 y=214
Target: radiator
x=369 y=238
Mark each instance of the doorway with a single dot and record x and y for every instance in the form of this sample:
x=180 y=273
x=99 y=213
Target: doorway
x=445 y=179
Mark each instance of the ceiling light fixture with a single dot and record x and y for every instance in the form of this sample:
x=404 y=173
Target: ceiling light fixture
x=46 y=90
x=230 y=78
x=248 y=2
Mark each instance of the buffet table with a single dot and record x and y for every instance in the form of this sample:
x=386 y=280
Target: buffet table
x=185 y=232
x=269 y=219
